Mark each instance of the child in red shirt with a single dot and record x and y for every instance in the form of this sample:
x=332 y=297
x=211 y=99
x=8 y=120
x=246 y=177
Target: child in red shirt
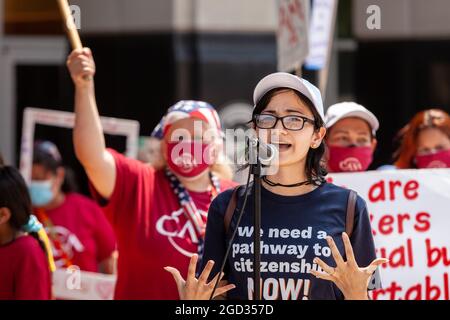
x=24 y=259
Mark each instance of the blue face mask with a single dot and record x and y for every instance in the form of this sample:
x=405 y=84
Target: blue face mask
x=41 y=192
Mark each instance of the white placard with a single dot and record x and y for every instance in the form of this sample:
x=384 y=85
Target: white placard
x=62 y=119
x=410 y=216
x=292 y=35
x=72 y=284
x=321 y=33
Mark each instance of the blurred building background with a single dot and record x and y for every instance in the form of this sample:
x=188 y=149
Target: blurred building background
x=151 y=53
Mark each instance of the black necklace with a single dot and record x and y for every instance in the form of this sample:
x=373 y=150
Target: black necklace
x=274 y=184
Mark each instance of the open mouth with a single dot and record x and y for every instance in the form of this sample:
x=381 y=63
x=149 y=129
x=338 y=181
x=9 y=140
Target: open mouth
x=282 y=146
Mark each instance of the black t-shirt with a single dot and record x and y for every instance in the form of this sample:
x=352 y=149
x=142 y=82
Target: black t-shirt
x=294 y=231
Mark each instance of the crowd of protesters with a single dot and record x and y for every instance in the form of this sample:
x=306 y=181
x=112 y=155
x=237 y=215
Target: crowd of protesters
x=165 y=218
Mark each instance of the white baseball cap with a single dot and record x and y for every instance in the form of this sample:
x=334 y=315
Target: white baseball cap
x=344 y=110
x=287 y=80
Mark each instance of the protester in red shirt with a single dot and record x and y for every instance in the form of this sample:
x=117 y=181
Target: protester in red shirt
x=79 y=232
x=425 y=141
x=159 y=216
x=24 y=260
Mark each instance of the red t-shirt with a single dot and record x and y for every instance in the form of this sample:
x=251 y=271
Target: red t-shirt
x=85 y=235
x=151 y=229
x=24 y=271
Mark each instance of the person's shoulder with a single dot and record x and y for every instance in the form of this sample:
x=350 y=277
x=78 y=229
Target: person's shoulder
x=25 y=242
x=133 y=165
x=81 y=201
x=31 y=257
x=224 y=196
x=79 y=198
x=160 y=179
x=220 y=203
x=161 y=174
x=331 y=190
x=29 y=246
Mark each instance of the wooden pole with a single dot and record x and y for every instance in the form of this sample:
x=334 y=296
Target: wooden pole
x=323 y=73
x=298 y=70
x=69 y=24
x=71 y=28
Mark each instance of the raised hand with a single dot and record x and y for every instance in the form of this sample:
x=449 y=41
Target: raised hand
x=198 y=289
x=81 y=67
x=352 y=280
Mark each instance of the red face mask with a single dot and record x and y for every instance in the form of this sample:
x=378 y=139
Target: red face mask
x=435 y=160
x=188 y=159
x=349 y=159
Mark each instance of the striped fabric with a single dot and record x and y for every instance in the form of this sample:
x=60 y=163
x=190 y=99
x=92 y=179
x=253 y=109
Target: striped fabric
x=188 y=109
x=188 y=205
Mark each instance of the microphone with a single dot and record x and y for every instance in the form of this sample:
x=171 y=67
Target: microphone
x=256 y=149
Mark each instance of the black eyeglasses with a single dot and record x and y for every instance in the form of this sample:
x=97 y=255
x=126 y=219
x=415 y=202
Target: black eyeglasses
x=268 y=121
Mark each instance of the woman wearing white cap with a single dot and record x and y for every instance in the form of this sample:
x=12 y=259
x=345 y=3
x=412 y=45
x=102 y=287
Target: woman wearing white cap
x=351 y=137
x=305 y=253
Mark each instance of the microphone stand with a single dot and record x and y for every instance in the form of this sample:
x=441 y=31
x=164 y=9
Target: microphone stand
x=255 y=167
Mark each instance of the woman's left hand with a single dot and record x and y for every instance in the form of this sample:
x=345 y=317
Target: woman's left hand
x=198 y=289
x=352 y=280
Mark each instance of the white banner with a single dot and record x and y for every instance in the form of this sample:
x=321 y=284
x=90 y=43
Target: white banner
x=62 y=119
x=321 y=33
x=73 y=284
x=410 y=215
x=292 y=35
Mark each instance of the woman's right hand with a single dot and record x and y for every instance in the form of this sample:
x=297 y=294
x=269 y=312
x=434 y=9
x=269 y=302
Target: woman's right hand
x=81 y=66
x=198 y=289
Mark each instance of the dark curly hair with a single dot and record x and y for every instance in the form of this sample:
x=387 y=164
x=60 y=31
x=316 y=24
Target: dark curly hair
x=315 y=165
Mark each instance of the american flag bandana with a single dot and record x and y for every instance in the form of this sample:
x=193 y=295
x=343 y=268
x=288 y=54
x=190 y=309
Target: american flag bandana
x=188 y=205
x=188 y=109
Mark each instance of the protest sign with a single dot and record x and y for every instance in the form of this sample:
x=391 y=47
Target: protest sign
x=73 y=284
x=62 y=119
x=410 y=216
x=292 y=35
x=321 y=33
